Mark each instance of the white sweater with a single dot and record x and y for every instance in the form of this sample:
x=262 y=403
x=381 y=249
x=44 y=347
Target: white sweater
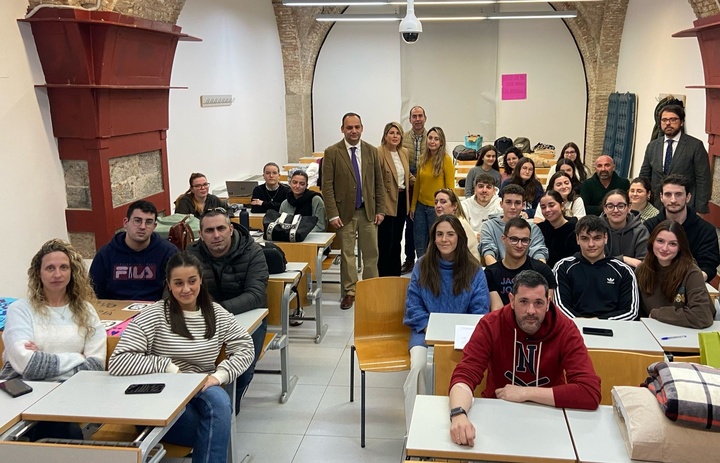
x=149 y=346
x=62 y=350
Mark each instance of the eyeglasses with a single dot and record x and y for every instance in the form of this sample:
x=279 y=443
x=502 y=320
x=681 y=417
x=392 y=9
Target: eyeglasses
x=201 y=185
x=138 y=221
x=669 y=120
x=514 y=240
x=620 y=207
x=221 y=210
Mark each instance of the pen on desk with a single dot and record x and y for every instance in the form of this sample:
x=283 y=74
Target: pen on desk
x=667 y=338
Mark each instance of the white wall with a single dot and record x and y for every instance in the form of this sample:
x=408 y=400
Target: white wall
x=34 y=200
x=239 y=55
x=653 y=62
x=544 y=49
x=554 y=112
x=357 y=70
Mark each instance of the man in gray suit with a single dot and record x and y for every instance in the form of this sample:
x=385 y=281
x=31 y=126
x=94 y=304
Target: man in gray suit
x=678 y=153
x=354 y=208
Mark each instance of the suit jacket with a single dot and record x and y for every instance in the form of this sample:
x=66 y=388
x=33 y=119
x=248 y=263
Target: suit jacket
x=690 y=160
x=390 y=179
x=339 y=184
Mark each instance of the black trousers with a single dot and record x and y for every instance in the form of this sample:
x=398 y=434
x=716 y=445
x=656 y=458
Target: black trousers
x=390 y=233
x=409 y=234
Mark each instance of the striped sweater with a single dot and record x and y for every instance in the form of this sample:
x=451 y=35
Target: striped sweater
x=149 y=346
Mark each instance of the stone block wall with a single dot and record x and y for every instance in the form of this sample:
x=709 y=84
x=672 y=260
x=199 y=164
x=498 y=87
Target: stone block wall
x=166 y=11
x=77 y=184
x=135 y=177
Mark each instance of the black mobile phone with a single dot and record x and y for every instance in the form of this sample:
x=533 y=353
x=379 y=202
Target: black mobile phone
x=597 y=331
x=15 y=387
x=149 y=388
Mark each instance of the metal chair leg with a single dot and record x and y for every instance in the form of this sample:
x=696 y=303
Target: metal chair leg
x=362 y=408
x=352 y=373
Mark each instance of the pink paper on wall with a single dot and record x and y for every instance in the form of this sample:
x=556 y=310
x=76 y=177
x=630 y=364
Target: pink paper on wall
x=514 y=86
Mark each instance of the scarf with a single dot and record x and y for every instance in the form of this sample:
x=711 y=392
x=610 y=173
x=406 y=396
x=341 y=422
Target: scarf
x=303 y=204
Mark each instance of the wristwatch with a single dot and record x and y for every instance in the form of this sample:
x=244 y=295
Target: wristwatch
x=457 y=411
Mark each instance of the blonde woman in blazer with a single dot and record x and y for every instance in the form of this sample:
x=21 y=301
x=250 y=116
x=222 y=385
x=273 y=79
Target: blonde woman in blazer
x=396 y=182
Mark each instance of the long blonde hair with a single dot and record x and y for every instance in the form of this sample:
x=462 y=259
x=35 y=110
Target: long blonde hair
x=79 y=290
x=437 y=159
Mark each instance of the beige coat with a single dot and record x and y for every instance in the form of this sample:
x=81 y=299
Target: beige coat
x=390 y=179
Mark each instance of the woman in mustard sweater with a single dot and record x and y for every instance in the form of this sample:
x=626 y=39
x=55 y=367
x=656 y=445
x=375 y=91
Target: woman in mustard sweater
x=435 y=171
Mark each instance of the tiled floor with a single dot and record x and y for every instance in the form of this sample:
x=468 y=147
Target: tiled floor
x=319 y=423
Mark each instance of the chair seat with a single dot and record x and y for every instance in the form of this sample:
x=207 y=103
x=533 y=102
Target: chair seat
x=383 y=354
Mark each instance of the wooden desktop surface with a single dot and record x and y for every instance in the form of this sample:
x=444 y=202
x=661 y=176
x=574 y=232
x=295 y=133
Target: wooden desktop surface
x=506 y=431
x=97 y=397
x=251 y=319
x=441 y=326
x=597 y=436
x=627 y=336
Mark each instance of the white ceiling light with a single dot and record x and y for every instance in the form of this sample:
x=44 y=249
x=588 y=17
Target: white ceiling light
x=481 y=17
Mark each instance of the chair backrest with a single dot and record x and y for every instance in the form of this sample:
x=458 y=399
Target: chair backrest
x=620 y=368
x=380 y=307
x=710 y=348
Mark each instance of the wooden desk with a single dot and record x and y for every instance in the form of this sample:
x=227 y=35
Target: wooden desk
x=506 y=431
x=11 y=408
x=442 y=355
x=311 y=251
x=251 y=319
x=441 y=326
x=688 y=343
x=627 y=336
x=597 y=436
x=256 y=220
x=279 y=297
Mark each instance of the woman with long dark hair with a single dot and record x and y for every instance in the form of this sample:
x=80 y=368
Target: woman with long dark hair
x=55 y=332
x=184 y=333
x=396 y=182
x=573 y=205
x=557 y=229
x=197 y=200
x=510 y=159
x=524 y=176
x=446 y=202
x=435 y=171
x=447 y=279
x=487 y=163
x=568 y=167
x=572 y=153
x=672 y=287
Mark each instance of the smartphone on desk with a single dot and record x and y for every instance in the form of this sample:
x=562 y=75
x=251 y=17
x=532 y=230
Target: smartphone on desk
x=15 y=387
x=149 y=388
x=597 y=331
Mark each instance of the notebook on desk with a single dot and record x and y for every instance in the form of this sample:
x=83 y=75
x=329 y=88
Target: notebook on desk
x=240 y=187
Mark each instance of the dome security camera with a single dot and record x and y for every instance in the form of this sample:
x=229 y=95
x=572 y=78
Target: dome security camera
x=410 y=26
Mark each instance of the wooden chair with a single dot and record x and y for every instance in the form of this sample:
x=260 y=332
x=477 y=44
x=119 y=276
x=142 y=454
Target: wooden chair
x=446 y=358
x=380 y=338
x=620 y=368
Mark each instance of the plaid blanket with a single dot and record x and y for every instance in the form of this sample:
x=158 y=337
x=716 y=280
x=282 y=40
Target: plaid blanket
x=688 y=393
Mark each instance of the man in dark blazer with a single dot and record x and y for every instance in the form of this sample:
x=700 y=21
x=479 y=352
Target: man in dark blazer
x=352 y=212
x=688 y=158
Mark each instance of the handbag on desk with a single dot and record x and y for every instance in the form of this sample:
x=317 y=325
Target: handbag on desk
x=284 y=227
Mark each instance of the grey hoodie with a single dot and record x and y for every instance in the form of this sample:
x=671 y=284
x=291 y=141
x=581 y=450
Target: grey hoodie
x=630 y=241
x=491 y=239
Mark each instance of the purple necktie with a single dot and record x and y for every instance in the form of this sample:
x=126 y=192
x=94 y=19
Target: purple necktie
x=668 y=157
x=358 y=191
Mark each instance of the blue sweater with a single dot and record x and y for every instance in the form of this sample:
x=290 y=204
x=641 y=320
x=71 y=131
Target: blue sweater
x=421 y=301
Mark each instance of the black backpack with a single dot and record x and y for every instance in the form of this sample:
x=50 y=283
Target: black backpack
x=275 y=257
x=463 y=153
x=502 y=144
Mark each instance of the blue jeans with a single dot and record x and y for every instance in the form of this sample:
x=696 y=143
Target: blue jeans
x=205 y=426
x=244 y=379
x=424 y=218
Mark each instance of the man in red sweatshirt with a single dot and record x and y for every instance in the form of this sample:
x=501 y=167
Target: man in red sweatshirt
x=529 y=349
